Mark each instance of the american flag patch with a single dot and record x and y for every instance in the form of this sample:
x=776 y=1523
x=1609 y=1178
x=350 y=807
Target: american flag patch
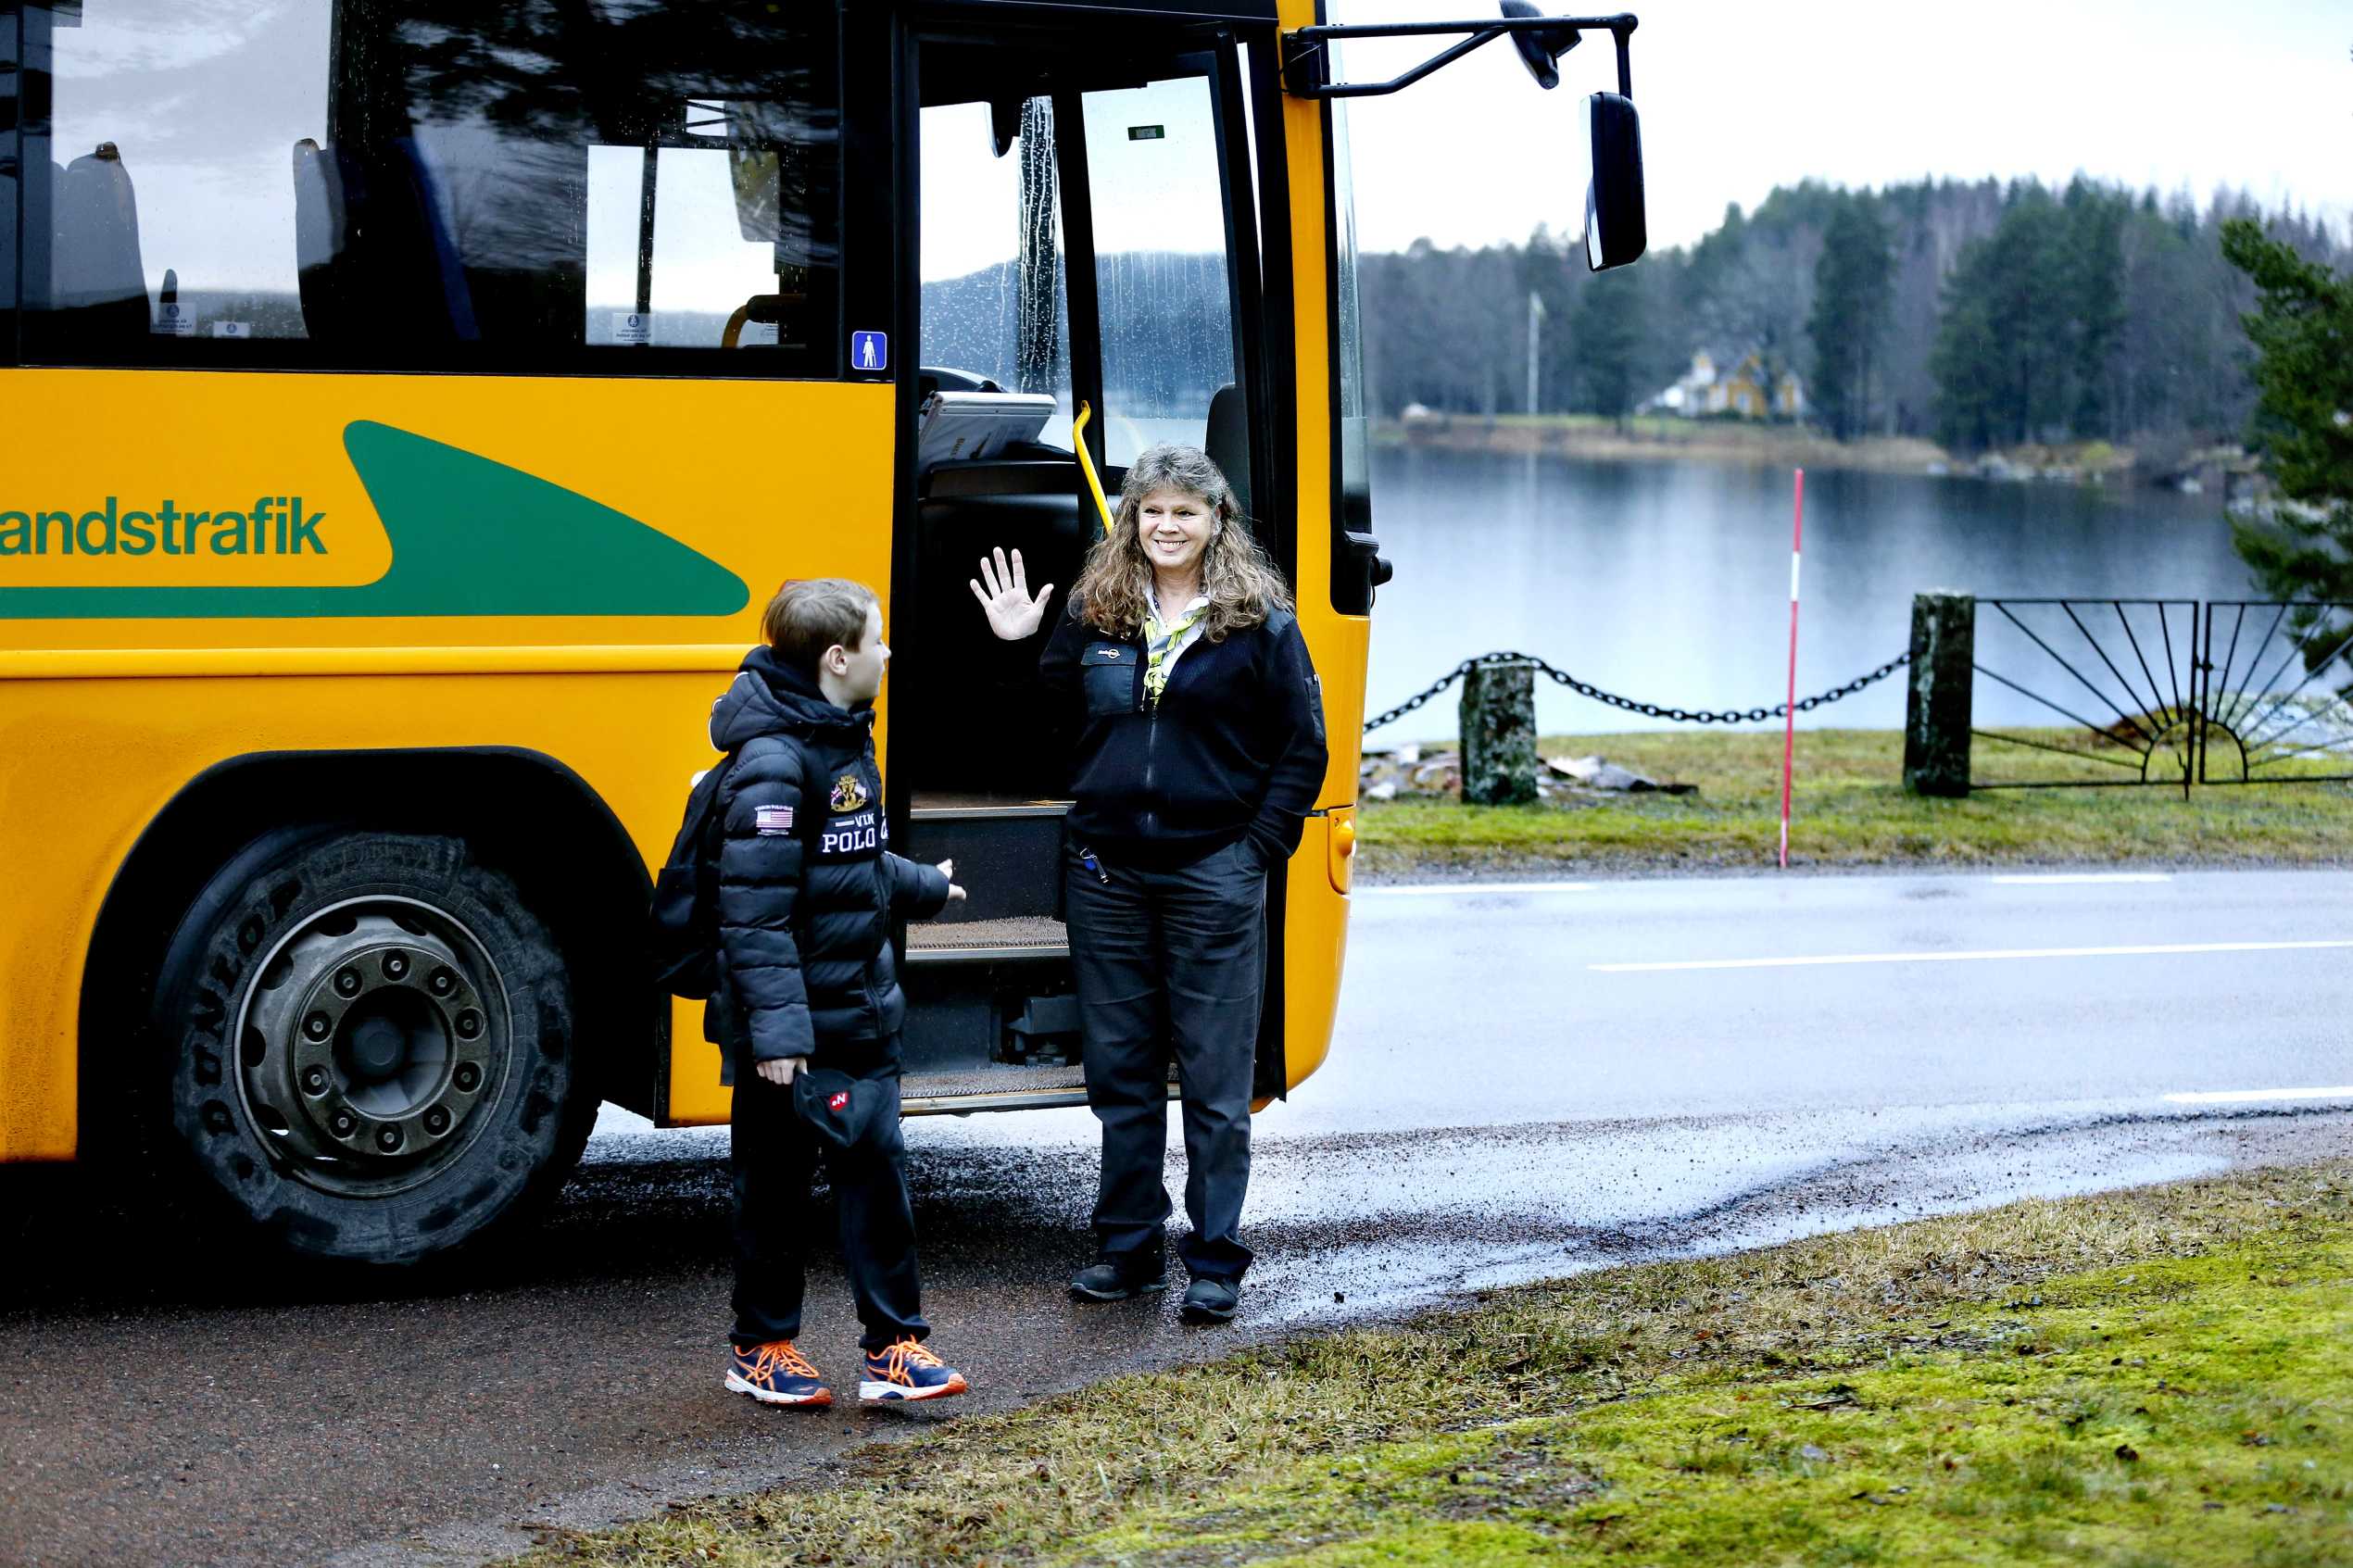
x=772 y=821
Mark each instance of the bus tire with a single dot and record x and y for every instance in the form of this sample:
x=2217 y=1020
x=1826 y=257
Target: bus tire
x=367 y=1048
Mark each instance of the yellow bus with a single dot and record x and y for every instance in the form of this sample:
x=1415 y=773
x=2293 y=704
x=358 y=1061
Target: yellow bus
x=409 y=406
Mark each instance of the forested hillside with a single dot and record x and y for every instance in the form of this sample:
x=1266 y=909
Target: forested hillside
x=1979 y=314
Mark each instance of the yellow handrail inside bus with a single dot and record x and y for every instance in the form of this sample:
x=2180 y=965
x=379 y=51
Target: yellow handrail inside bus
x=1086 y=465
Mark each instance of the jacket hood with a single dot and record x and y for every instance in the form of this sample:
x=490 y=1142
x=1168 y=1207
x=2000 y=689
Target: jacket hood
x=771 y=697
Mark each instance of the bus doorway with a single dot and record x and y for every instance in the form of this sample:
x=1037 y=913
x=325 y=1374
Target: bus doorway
x=1085 y=242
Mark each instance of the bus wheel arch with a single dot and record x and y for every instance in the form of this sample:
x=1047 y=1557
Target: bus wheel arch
x=510 y=877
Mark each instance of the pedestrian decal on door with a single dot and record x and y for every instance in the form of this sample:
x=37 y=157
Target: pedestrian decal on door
x=870 y=351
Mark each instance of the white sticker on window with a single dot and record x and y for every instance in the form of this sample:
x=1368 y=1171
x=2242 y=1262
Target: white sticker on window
x=632 y=326
x=233 y=329
x=173 y=321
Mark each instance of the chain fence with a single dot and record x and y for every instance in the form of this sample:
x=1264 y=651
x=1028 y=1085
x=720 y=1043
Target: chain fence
x=1647 y=709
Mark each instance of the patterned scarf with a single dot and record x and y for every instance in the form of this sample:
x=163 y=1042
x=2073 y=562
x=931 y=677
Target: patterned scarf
x=1163 y=643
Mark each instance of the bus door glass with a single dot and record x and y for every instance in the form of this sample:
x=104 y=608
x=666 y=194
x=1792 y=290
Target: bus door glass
x=993 y=301
x=1164 y=265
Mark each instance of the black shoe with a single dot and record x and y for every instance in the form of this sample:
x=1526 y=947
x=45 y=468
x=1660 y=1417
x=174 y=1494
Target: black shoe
x=1107 y=1280
x=1211 y=1301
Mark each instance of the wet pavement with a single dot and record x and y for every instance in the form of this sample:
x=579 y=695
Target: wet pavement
x=1498 y=1108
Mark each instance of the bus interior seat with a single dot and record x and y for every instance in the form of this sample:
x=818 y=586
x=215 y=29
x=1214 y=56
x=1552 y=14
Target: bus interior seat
x=96 y=272
x=1228 y=441
x=319 y=233
x=403 y=273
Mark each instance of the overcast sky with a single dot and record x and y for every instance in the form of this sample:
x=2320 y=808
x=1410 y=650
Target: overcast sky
x=1737 y=96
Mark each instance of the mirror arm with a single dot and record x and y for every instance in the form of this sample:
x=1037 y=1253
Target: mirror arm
x=1307 y=60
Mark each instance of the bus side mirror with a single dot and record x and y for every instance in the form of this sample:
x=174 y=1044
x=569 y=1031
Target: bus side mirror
x=1616 y=229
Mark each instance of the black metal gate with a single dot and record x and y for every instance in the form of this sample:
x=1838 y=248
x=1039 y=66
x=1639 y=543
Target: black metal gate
x=2171 y=692
x=2256 y=727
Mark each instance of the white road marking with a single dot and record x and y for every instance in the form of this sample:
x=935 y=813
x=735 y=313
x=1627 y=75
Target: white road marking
x=2061 y=878
x=1966 y=957
x=1423 y=890
x=2240 y=1097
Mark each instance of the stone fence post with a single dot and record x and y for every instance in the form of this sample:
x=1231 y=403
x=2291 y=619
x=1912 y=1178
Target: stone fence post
x=1936 y=710
x=1499 y=734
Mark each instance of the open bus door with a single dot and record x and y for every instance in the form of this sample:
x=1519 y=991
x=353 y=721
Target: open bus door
x=1085 y=237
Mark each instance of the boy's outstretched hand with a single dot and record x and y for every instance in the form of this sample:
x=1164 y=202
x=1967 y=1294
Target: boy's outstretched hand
x=947 y=869
x=1013 y=614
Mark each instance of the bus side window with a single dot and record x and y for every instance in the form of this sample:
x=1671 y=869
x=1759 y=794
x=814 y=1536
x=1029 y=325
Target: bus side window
x=422 y=184
x=11 y=102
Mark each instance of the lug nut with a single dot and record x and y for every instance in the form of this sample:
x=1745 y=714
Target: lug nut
x=314 y=1079
x=468 y=1076
x=442 y=982
x=318 y=1026
x=388 y=1138
x=396 y=965
x=342 y=1123
x=437 y=1121
x=468 y=1024
x=347 y=982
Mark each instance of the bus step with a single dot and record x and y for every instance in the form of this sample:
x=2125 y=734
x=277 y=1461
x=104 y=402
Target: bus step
x=968 y=806
x=987 y=941
x=997 y=1088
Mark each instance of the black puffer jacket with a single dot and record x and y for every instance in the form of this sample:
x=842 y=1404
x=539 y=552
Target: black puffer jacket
x=808 y=886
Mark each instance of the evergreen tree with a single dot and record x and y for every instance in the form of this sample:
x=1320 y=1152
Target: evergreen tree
x=1852 y=286
x=1608 y=332
x=2092 y=279
x=2302 y=330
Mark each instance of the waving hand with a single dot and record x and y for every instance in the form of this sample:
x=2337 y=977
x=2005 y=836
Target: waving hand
x=1013 y=614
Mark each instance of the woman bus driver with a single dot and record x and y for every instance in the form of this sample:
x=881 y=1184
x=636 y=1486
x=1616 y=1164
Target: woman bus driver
x=1199 y=749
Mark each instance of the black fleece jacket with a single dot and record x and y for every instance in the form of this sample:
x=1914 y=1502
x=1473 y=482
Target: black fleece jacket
x=808 y=886
x=1235 y=746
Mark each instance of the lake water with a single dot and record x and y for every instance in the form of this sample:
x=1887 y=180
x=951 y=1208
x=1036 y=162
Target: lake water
x=1668 y=581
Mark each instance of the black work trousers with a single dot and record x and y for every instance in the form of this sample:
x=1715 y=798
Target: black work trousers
x=774 y=1154
x=1171 y=962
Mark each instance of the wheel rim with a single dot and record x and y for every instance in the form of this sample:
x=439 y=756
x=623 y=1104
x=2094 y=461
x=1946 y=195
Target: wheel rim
x=372 y=1043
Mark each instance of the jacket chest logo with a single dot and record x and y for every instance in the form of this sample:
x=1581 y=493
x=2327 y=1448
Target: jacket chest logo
x=855 y=836
x=850 y=794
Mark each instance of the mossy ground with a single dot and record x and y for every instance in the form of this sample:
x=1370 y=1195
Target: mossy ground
x=2161 y=1377
x=1849 y=810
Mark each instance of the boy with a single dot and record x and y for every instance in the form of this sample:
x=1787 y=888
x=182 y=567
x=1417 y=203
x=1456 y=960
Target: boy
x=807 y=886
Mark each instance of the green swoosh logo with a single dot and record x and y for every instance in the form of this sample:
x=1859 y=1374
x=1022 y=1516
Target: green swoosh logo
x=468 y=536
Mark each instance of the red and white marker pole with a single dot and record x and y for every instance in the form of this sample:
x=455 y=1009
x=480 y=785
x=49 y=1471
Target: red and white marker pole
x=1789 y=728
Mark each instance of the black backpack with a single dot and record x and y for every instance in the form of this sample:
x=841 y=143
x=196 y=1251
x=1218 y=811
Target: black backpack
x=682 y=935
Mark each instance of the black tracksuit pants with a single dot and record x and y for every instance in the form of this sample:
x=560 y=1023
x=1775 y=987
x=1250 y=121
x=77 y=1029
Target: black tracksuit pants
x=774 y=1153
x=1171 y=962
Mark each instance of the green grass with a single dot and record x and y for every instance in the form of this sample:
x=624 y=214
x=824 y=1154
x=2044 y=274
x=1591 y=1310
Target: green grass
x=2162 y=1376
x=1850 y=810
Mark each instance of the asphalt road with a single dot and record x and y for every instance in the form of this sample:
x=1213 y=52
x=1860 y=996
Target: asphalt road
x=1525 y=1083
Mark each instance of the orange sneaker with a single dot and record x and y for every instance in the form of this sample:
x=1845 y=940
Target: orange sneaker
x=907 y=1371
x=776 y=1373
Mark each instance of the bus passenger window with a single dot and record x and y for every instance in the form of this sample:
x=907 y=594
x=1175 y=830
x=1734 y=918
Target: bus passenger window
x=165 y=151
x=435 y=184
x=711 y=255
x=11 y=81
x=1160 y=263
x=10 y=86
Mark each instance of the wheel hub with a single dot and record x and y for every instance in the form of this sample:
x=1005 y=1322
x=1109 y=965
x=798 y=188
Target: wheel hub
x=375 y=1034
